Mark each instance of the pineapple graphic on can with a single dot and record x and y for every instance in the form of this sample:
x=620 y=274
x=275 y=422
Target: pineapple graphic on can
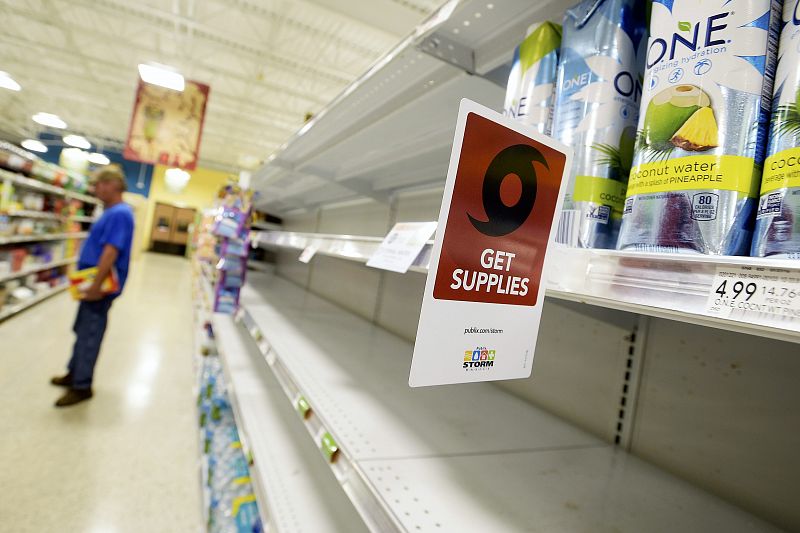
x=702 y=129
x=597 y=103
x=777 y=231
x=531 y=83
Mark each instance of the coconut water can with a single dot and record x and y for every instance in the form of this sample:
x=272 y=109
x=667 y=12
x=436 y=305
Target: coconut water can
x=531 y=84
x=703 y=126
x=513 y=87
x=777 y=232
x=598 y=90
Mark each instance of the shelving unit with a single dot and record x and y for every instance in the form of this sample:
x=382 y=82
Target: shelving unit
x=12 y=310
x=44 y=237
x=34 y=214
x=289 y=474
x=18 y=180
x=10 y=180
x=392 y=128
x=49 y=216
x=446 y=458
x=37 y=268
x=701 y=408
x=669 y=286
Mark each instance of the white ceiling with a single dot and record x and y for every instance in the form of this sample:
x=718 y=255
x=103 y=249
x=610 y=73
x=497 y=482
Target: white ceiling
x=268 y=62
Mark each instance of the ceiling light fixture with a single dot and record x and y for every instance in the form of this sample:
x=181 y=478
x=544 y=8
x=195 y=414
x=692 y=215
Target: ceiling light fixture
x=77 y=141
x=161 y=75
x=98 y=159
x=34 y=146
x=50 y=120
x=176 y=179
x=7 y=82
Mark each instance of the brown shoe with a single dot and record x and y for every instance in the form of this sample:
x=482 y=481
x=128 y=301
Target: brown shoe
x=62 y=381
x=73 y=396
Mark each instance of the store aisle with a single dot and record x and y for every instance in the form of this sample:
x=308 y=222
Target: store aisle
x=127 y=459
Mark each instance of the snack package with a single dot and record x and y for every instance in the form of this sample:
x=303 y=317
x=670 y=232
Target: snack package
x=81 y=280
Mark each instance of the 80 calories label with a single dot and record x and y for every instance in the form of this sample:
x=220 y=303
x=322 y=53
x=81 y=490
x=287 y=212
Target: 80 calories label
x=745 y=292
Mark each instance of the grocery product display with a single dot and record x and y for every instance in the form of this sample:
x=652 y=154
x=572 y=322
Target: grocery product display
x=703 y=130
x=229 y=499
x=777 y=232
x=44 y=213
x=596 y=109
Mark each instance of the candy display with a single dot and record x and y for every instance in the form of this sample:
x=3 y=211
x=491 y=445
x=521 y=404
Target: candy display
x=702 y=129
x=777 y=232
x=596 y=110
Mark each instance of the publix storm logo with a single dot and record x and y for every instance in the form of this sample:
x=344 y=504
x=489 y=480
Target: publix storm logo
x=479 y=358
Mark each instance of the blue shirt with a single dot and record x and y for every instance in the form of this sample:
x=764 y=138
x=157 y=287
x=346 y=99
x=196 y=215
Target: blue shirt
x=115 y=227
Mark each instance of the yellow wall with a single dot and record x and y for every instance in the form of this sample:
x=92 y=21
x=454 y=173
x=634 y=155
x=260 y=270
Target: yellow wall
x=199 y=193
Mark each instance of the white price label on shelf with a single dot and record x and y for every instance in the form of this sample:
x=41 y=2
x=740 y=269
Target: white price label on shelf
x=401 y=246
x=308 y=253
x=746 y=292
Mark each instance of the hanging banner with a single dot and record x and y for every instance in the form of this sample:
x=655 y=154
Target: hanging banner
x=483 y=297
x=166 y=125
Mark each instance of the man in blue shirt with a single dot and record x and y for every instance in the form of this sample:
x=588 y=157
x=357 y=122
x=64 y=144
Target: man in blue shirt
x=108 y=248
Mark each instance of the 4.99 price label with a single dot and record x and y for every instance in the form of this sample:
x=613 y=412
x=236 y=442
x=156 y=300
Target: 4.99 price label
x=744 y=292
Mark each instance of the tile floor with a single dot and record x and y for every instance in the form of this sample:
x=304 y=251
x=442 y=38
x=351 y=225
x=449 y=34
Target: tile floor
x=127 y=460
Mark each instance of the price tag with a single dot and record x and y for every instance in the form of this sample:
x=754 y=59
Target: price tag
x=401 y=246
x=308 y=253
x=746 y=292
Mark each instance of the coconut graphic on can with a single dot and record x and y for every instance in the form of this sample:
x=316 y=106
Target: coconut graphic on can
x=680 y=117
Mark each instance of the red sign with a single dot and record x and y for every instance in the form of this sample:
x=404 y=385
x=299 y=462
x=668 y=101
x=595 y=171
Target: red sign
x=167 y=125
x=501 y=213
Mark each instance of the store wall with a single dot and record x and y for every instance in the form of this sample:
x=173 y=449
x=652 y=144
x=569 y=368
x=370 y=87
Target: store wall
x=199 y=193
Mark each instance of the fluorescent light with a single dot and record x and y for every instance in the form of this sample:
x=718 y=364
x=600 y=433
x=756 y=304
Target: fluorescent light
x=77 y=141
x=161 y=75
x=49 y=119
x=176 y=179
x=7 y=82
x=75 y=154
x=98 y=159
x=34 y=146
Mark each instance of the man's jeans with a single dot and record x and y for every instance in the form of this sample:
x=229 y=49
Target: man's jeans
x=90 y=325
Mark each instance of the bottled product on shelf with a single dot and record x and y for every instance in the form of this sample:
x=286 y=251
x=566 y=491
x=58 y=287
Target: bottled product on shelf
x=232 y=504
x=702 y=130
x=777 y=232
x=531 y=84
x=597 y=105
